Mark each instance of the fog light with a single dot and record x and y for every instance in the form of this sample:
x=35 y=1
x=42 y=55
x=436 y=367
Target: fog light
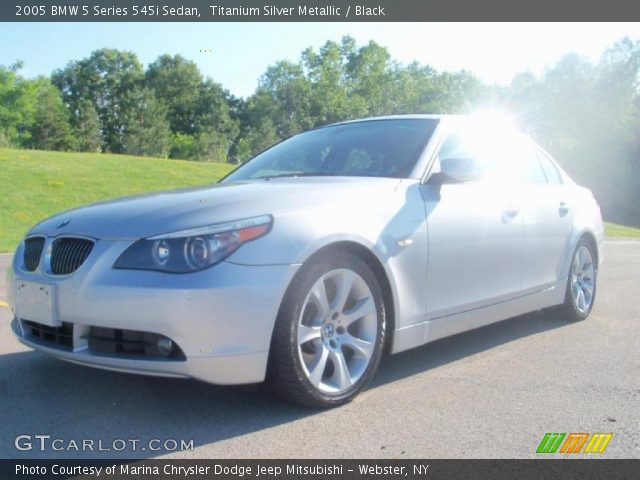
x=165 y=346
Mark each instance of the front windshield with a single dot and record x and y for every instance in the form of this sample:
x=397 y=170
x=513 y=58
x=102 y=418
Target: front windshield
x=375 y=148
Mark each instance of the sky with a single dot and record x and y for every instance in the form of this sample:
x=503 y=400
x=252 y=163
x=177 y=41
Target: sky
x=236 y=54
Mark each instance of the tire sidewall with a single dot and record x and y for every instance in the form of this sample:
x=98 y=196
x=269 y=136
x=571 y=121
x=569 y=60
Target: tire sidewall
x=291 y=310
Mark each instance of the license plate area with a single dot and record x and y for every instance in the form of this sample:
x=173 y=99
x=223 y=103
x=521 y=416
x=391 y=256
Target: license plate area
x=36 y=302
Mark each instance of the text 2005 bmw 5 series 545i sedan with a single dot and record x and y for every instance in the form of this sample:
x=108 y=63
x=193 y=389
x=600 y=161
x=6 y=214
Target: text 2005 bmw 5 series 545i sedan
x=305 y=263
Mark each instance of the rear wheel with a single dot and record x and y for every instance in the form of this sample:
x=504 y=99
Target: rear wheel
x=329 y=334
x=581 y=284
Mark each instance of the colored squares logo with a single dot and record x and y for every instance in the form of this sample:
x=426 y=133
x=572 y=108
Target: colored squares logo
x=574 y=442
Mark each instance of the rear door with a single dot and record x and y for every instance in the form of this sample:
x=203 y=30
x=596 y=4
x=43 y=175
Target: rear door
x=546 y=212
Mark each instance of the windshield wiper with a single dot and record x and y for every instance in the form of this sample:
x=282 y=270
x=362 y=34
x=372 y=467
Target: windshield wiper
x=299 y=174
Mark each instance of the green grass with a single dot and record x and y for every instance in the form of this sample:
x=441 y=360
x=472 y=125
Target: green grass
x=613 y=230
x=37 y=184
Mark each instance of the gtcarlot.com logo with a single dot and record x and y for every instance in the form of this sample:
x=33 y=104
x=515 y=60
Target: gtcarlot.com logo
x=44 y=443
x=573 y=442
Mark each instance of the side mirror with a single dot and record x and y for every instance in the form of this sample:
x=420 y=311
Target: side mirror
x=440 y=178
x=457 y=169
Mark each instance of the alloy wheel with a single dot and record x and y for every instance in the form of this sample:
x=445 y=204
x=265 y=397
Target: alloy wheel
x=583 y=279
x=337 y=331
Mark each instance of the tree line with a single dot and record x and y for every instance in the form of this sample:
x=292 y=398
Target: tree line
x=587 y=114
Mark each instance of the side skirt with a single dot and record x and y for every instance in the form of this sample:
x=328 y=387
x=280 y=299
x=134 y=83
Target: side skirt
x=437 y=328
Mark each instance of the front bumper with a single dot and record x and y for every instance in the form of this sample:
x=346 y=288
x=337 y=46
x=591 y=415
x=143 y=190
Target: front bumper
x=221 y=318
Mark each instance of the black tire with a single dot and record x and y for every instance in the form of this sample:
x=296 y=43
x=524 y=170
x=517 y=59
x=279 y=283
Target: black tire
x=569 y=310
x=285 y=374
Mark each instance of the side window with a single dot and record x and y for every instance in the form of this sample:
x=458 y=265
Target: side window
x=532 y=170
x=550 y=170
x=507 y=157
x=513 y=159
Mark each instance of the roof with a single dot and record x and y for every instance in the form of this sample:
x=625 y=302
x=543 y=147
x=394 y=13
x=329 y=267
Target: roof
x=413 y=116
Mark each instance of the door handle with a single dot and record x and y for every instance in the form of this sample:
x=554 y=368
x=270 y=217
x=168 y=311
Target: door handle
x=563 y=209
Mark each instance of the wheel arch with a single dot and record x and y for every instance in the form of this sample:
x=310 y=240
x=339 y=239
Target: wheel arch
x=586 y=235
x=375 y=264
x=591 y=239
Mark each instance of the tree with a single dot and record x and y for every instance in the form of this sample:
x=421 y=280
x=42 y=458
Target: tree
x=326 y=70
x=370 y=75
x=587 y=115
x=342 y=81
x=104 y=79
x=145 y=125
x=183 y=146
x=50 y=129
x=216 y=125
x=258 y=130
x=178 y=82
x=17 y=107
x=212 y=146
x=88 y=129
x=286 y=97
x=199 y=110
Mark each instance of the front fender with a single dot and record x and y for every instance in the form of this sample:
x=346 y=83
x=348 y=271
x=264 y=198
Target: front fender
x=393 y=228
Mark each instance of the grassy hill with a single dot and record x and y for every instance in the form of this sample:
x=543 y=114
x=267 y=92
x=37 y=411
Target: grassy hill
x=36 y=184
x=614 y=230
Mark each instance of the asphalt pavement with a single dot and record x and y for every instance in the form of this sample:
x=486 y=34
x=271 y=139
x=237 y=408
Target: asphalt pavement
x=490 y=393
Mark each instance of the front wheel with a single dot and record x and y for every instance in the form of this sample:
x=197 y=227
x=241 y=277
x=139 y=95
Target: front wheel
x=329 y=334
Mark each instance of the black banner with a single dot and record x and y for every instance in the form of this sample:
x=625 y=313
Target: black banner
x=318 y=469
x=316 y=10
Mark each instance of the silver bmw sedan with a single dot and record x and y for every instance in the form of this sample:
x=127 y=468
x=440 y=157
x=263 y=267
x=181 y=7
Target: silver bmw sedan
x=304 y=264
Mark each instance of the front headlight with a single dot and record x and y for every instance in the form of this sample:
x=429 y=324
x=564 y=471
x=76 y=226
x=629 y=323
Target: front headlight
x=194 y=249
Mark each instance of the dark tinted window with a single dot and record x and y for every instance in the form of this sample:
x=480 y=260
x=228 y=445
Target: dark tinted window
x=550 y=170
x=377 y=148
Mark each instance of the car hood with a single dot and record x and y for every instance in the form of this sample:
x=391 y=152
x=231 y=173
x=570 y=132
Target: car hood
x=164 y=212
